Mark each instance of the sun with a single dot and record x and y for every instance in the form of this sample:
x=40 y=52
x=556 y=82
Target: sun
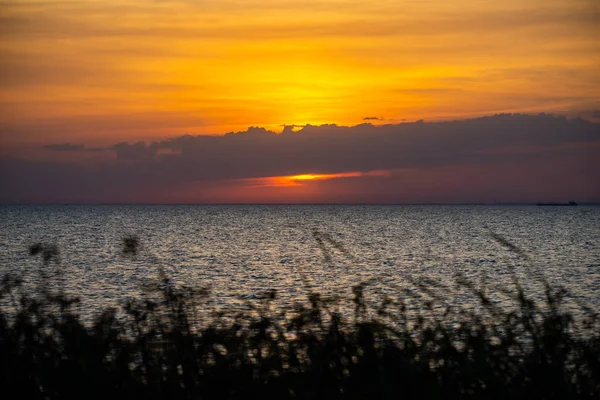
x=297 y=180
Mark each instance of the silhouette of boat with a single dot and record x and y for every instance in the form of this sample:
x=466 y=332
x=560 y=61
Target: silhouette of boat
x=571 y=203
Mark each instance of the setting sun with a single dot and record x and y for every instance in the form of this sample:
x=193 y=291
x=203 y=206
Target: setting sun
x=296 y=180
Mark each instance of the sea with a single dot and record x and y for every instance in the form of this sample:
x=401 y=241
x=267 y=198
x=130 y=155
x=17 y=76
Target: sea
x=413 y=254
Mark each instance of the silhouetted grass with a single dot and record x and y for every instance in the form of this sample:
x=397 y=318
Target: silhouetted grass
x=160 y=348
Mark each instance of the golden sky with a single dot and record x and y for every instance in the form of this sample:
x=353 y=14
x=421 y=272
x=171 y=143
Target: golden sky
x=92 y=71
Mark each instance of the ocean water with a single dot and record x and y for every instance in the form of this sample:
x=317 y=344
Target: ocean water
x=240 y=252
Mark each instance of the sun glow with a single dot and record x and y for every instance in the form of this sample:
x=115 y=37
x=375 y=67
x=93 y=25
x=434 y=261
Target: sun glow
x=301 y=179
x=139 y=70
x=297 y=180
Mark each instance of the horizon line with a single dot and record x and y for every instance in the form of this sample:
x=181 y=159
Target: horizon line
x=588 y=203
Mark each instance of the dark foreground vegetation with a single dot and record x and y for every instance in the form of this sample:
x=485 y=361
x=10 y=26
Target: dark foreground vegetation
x=157 y=347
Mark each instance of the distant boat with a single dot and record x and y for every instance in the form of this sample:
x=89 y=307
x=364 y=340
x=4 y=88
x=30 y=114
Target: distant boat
x=571 y=203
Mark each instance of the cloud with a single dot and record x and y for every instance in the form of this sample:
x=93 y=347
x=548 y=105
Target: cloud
x=70 y=147
x=134 y=151
x=495 y=158
x=596 y=114
x=373 y=119
x=64 y=147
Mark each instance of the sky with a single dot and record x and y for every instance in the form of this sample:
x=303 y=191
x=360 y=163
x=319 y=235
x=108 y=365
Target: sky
x=138 y=101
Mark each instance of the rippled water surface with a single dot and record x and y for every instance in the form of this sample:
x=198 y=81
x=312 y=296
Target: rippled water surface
x=241 y=251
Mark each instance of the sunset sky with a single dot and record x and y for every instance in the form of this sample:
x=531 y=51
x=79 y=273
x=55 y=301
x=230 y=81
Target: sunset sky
x=80 y=78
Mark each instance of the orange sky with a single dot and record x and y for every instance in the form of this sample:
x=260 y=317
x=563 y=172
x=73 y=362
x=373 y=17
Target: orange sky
x=97 y=72
x=97 y=95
